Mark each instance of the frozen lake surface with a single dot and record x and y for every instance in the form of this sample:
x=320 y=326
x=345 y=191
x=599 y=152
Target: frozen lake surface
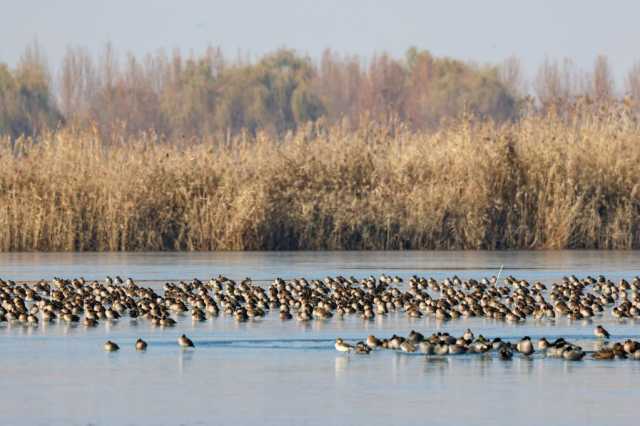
x=279 y=373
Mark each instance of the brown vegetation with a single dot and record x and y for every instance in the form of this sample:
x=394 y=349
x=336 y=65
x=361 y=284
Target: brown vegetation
x=540 y=182
x=209 y=96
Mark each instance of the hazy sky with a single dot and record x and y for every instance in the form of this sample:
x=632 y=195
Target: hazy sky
x=478 y=30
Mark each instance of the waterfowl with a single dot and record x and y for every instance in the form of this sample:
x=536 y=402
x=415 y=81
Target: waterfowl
x=618 y=350
x=496 y=343
x=525 y=346
x=342 y=346
x=141 y=345
x=110 y=346
x=604 y=354
x=601 y=333
x=631 y=346
x=468 y=335
x=373 y=342
x=415 y=337
x=573 y=353
x=395 y=342
x=543 y=344
x=482 y=347
x=556 y=349
x=506 y=353
x=441 y=349
x=185 y=342
x=362 y=349
x=407 y=346
x=90 y=322
x=456 y=349
x=426 y=347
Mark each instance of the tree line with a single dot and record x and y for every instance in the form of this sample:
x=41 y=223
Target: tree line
x=208 y=95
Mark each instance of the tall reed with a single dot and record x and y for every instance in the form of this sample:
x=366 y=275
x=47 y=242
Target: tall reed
x=543 y=182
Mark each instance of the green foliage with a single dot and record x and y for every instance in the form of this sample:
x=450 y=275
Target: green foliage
x=204 y=96
x=273 y=94
x=25 y=104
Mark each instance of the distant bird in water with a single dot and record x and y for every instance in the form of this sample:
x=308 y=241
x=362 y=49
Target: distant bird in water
x=110 y=346
x=185 y=342
x=341 y=346
x=141 y=345
x=601 y=332
x=573 y=353
x=506 y=353
x=525 y=346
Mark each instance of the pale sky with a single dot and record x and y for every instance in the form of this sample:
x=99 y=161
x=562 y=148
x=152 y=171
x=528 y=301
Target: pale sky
x=477 y=30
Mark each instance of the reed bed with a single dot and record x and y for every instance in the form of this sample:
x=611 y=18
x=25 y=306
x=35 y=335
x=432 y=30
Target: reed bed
x=539 y=183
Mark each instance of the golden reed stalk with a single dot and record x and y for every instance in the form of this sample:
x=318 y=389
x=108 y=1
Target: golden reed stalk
x=542 y=182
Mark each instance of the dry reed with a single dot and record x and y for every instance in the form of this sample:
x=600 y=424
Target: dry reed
x=542 y=182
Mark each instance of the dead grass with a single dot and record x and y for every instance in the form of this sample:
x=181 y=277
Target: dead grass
x=539 y=183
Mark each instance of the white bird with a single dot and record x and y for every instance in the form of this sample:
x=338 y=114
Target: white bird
x=341 y=346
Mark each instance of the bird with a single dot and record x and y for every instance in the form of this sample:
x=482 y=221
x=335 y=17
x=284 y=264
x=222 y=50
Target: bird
x=141 y=345
x=600 y=332
x=407 y=346
x=573 y=353
x=604 y=354
x=185 y=342
x=506 y=353
x=373 y=342
x=362 y=348
x=543 y=344
x=341 y=346
x=524 y=346
x=110 y=346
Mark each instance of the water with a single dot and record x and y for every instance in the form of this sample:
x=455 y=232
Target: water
x=270 y=372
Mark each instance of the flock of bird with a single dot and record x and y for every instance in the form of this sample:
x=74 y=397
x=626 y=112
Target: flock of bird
x=446 y=344
x=513 y=300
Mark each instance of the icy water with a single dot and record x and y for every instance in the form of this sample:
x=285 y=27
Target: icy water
x=269 y=372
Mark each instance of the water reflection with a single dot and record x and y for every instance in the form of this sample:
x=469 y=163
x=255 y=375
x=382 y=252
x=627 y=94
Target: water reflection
x=185 y=356
x=340 y=365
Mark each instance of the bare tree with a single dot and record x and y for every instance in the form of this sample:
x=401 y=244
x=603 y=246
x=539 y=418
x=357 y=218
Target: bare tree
x=555 y=84
x=632 y=83
x=602 y=83
x=511 y=74
x=77 y=83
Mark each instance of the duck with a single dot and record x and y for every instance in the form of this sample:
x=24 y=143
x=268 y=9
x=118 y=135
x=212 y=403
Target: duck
x=601 y=332
x=543 y=344
x=506 y=353
x=525 y=346
x=496 y=343
x=457 y=349
x=141 y=345
x=110 y=346
x=468 y=335
x=426 y=347
x=618 y=350
x=556 y=348
x=373 y=342
x=604 y=354
x=185 y=342
x=482 y=347
x=631 y=346
x=441 y=349
x=362 y=349
x=415 y=337
x=573 y=353
x=407 y=346
x=342 y=346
